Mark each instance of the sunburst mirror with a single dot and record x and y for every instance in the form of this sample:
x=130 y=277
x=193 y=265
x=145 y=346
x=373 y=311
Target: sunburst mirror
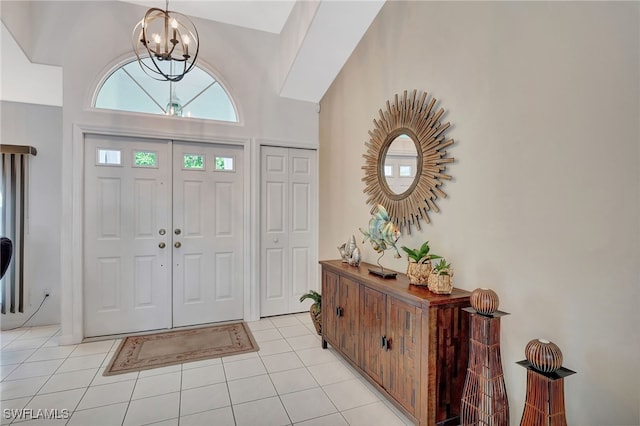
x=406 y=160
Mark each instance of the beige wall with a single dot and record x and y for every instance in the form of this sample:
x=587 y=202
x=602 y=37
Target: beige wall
x=544 y=205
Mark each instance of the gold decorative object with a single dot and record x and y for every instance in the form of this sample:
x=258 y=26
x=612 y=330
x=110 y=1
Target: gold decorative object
x=484 y=300
x=544 y=356
x=414 y=116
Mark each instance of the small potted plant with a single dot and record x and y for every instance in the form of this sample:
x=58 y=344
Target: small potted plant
x=419 y=266
x=316 y=309
x=441 y=278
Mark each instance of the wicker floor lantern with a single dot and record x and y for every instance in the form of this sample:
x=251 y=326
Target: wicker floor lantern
x=484 y=397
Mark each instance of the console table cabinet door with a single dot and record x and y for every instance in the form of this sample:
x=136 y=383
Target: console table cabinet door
x=374 y=359
x=348 y=318
x=340 y=303
x=330 y=307
x=403 y=334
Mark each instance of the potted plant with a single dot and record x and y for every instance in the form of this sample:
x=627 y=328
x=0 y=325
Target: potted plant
x=441 y=278
x=316 y=309
x=419 y=266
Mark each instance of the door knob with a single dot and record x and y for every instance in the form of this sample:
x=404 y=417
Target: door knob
x=162 y=231
x=275 y=240
x=162 y=245
x=177 y=244
x=177 y=231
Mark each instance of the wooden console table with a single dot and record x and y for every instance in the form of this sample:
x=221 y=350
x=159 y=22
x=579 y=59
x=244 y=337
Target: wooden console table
x=412 y=344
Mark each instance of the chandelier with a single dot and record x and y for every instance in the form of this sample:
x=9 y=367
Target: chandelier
x=170 y=40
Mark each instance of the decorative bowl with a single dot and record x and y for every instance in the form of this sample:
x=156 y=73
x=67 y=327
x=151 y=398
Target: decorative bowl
x=484 y=300
x=544 y=356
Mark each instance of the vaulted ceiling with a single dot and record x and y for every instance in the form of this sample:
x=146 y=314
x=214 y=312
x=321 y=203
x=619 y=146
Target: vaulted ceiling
x=267 y=16
x=317 y=37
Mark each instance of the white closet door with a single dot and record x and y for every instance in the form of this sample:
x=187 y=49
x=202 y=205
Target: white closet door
x=127 y=272
x=288 y=254
x=208 y=252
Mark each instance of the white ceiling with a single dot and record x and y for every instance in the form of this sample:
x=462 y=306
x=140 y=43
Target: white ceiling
x=264 y=15
x=317 y=36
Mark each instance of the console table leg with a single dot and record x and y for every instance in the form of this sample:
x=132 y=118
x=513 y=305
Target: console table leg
x=324 y=344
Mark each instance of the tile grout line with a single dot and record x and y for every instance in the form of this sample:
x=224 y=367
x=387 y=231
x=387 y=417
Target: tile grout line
x=180 y=394
x=274 y=386
x=43 y=384
x=126 y=411
x=315 y=380
x=226 y=381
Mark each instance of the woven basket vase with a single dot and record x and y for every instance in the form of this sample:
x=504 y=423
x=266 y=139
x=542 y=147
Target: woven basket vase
x=441 y=284
x=316 y=318
x=418 y=273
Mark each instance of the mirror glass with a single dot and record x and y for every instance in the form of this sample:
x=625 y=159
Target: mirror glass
x=400 y=164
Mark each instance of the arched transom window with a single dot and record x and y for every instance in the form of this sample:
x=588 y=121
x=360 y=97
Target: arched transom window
x=197 y=95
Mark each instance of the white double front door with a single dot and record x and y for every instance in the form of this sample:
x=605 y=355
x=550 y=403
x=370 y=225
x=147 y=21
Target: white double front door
x=163 y=234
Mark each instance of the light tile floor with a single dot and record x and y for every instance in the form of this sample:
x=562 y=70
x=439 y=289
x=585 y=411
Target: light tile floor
x=290 y=381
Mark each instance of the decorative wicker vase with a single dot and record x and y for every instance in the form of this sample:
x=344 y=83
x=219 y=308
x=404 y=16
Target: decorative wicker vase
x=484 y=300
x=418 y=273
x=441 y=283
x=316 y=317
x=544 y=356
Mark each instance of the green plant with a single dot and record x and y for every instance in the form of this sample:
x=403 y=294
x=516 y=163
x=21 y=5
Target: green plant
x=316 y=309
x=442 y=267
x=422 y=255
x=313 y=295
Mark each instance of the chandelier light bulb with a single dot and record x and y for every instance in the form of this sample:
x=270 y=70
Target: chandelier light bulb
x=185 y=41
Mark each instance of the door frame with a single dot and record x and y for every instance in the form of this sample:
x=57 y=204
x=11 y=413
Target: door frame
x=72 y=258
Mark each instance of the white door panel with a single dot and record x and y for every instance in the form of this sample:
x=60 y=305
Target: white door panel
x=274 y=240
x=208 y=231
x=303 y=210
x=288 y=241
x=126 y=273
